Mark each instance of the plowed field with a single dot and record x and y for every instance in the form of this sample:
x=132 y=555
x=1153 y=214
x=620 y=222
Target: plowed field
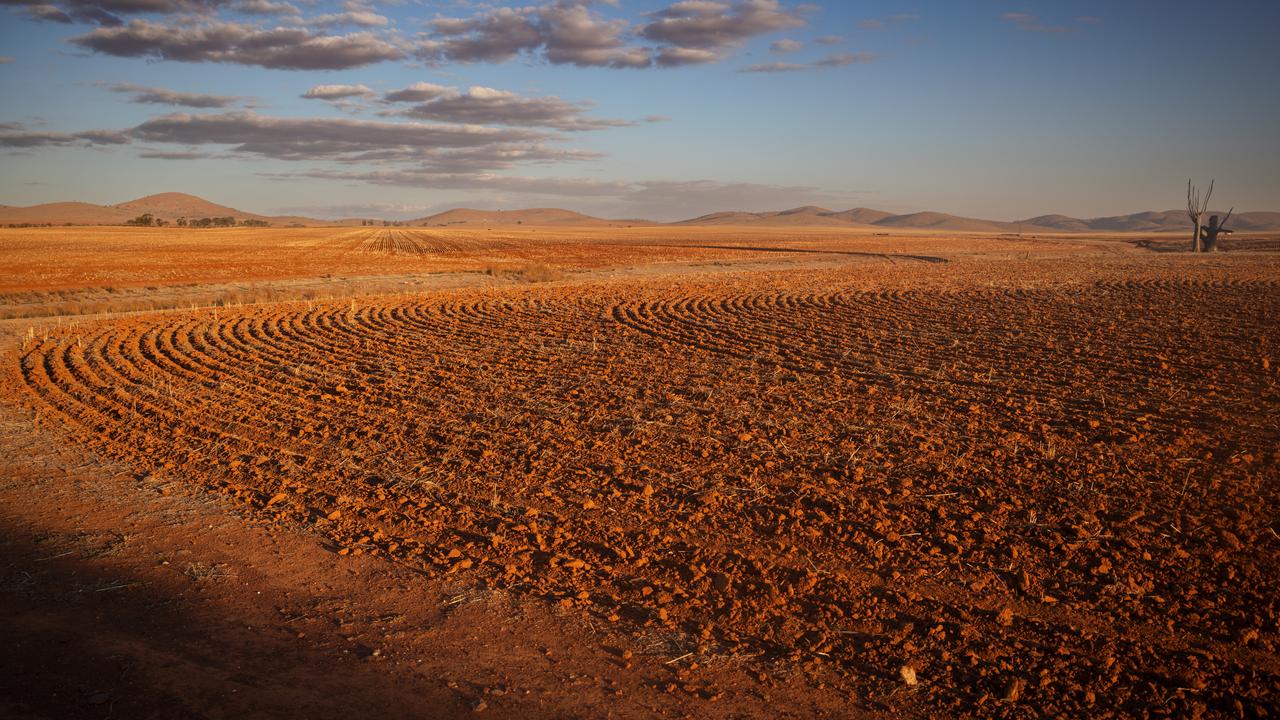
x=1012 y=493
x=396 y=241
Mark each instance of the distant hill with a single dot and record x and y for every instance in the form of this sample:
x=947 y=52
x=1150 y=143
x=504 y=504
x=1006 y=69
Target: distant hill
x=862 y=216
x=816 y=216
x=171 y=206
x=175 y=205
x=808 y=215
x=1257 y=221
x=62 y=213
x=726 y=218
x=1059 y=222
x=942 y=221
x=466 y=217
x=164 y=206
x=1166 y=221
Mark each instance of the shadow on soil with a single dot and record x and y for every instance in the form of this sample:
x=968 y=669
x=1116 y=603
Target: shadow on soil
x=82 y=640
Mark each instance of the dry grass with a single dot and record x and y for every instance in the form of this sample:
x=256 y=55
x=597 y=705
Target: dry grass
x=204 y=572
x=528 y=273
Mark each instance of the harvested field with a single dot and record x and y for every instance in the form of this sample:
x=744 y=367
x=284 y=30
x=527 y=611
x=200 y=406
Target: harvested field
x=83 y=271
x=48 y=259
x=1007 y=488
x=86 y=271
x=397 y=241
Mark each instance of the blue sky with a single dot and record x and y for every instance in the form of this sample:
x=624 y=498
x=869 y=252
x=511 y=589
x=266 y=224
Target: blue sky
x=641 y=109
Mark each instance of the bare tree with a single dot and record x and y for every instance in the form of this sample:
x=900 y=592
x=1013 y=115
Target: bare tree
x=1196 y=208
x=1213 y=230
x=1205 y=238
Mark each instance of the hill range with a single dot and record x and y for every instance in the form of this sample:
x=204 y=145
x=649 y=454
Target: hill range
x=809 y=216
x=466 y=217
x=171 y=206
x=164 y=206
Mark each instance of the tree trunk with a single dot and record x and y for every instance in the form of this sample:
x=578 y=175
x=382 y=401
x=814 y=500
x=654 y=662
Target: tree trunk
x=1195 y=240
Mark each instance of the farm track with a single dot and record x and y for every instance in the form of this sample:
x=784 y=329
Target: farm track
x=1033 y=488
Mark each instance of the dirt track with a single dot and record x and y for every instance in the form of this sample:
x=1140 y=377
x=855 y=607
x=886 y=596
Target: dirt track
x=1042 y=486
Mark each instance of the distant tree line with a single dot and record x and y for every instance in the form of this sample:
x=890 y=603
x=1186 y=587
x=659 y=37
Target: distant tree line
x=384 y=223
x=149 y=220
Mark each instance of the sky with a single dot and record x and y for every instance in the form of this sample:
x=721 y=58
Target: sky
x=649 y=109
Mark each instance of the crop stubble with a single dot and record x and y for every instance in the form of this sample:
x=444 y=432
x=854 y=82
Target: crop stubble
x=1062 y=494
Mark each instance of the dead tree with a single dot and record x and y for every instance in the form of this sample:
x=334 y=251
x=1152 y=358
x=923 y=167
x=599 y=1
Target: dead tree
x=1196 y=208
x=1209 y=234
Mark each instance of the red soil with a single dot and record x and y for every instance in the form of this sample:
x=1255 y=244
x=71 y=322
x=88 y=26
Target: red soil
x=1032 y=488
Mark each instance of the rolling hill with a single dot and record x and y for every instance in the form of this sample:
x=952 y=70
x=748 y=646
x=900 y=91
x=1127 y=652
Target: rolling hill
x=63 y=213
x=467 y=217
x=165 y=206
x=171 y=205
x=816 y=216
x=862 y=216
x=808 y=215
x=942 y=221
x=1059 y=222
x=1166 y=221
